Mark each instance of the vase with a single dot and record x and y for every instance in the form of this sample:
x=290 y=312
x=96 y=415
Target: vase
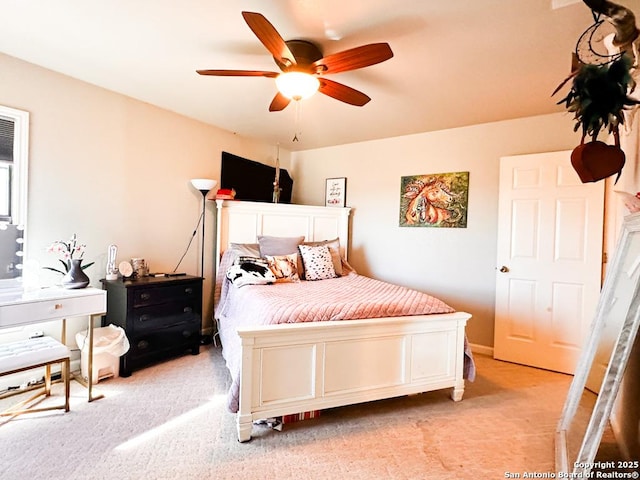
x=75 y=277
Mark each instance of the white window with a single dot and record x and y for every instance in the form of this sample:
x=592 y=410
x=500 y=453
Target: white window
x=7 y=128
x=14 y=145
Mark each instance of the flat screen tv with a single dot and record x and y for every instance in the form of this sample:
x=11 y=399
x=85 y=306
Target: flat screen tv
x=253 y=180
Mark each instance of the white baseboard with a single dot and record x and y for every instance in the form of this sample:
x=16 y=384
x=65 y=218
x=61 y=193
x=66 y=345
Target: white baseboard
x=207 y=331
x=481 y=349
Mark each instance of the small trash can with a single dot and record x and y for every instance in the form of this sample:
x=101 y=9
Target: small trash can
x=109 y=344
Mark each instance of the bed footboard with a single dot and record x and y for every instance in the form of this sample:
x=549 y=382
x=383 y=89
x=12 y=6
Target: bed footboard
x=294 y=368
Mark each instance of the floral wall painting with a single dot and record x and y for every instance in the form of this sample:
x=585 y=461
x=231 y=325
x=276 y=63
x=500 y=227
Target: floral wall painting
x=335 y=192
x=434 y=200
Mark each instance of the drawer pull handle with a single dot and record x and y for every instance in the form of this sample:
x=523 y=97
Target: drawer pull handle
x=146 y=317
x=187 y=309
x=57 y=306
x=145 y=296
x=188 y=290
x=173 y=325
x=143 y=344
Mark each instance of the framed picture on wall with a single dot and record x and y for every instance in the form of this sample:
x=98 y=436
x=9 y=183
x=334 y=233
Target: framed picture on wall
x=434 y=200
x=335 y=192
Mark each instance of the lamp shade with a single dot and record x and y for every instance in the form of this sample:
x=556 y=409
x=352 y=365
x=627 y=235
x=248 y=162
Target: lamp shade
x=297 y=85
x=203 y=184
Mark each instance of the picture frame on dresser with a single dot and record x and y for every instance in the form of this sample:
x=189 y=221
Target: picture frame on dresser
x=335 y=193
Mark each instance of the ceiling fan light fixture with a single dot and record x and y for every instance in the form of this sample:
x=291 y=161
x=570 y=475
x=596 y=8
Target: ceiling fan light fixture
x=303 y=62
x=297 y=85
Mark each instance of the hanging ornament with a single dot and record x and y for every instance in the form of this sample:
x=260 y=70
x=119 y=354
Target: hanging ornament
x=605 y=56
x=276 y=182
x=297 y=122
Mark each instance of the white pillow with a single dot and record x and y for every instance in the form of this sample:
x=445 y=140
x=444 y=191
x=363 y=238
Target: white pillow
x=334 y=248
x=318 y=264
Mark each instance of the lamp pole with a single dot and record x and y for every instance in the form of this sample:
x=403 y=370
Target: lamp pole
x=204 y=185
x=204 y=203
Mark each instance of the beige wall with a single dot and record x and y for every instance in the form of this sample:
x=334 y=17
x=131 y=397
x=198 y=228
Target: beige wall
x=116 y=170
x=457 y=265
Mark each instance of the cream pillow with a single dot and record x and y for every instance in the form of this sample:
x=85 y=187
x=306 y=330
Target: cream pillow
x=284 y=267
x=245 y=249
x=278 y=245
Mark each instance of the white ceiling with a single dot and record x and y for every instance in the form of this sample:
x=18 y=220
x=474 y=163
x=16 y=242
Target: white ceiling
x=456 y=62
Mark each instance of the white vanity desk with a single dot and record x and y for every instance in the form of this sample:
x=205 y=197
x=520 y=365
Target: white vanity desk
x=18 y=308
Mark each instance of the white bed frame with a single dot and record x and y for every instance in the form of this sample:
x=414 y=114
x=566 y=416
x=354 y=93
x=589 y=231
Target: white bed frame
x=293 y=368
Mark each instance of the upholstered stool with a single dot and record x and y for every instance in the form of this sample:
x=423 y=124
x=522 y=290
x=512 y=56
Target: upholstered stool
x=34 y=353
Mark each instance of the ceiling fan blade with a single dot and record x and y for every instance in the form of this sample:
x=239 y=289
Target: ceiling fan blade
x=343 y=93
x=238 y=73
x=269 y=37
x=353 y=58
x=279 y=102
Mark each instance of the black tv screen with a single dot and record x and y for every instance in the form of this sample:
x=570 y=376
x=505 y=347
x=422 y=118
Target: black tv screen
x=253 y=180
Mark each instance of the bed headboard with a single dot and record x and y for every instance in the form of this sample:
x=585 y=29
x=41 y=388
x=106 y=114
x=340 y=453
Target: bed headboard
x=242 y=222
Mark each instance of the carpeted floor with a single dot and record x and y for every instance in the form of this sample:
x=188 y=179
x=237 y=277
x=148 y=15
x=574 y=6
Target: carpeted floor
x=168 y=421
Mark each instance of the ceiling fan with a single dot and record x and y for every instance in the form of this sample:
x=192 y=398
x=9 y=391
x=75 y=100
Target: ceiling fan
x=302 y=64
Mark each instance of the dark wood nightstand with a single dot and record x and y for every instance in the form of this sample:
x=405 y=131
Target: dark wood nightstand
x=162 y=317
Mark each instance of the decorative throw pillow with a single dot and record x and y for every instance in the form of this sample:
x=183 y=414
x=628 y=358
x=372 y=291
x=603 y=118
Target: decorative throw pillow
x=318 y=264
x=278 y=245
x=284 y=267
x=250 y=271
x=231 y=254
x=245 y=249
x=334 y=248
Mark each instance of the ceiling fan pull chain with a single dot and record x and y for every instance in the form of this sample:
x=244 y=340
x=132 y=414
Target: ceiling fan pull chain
x=297 y=122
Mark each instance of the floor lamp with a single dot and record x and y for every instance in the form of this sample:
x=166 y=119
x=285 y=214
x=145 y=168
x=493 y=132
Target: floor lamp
x=204 y=185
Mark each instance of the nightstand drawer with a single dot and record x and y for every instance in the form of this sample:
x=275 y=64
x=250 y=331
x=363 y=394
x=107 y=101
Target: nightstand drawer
x=163 y=316
x=166 y=294
x=155 y=342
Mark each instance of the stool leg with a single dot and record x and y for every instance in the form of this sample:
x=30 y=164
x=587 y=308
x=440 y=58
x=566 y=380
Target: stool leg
x=66 y=374
x=47 y=380
x=63 y=372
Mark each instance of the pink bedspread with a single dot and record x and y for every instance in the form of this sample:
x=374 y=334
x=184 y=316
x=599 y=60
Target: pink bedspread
x=345 y=298
x=349 y=297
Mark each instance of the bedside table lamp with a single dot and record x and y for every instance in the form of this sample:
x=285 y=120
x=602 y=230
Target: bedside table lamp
x=204 y=185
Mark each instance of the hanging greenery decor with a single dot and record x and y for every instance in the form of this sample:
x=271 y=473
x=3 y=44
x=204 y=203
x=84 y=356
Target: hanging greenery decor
x=599 y=96
x=600 y=90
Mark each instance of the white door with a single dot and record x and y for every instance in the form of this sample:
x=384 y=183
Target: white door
x=549 y=260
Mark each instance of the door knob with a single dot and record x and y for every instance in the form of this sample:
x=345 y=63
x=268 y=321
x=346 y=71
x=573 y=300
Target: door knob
x=504 y=269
